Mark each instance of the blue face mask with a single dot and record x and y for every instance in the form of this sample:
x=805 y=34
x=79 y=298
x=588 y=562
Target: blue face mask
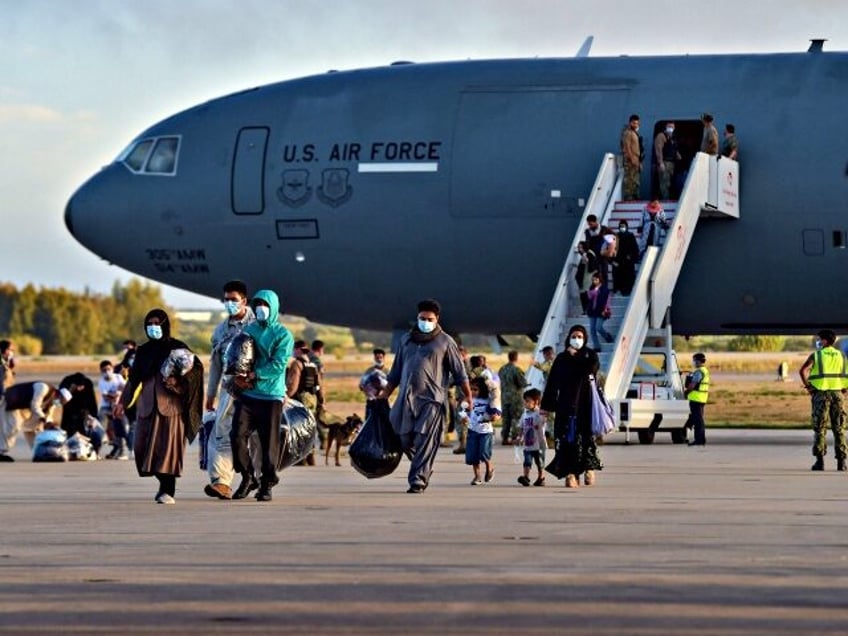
x=262 y=313
x=154 y=332
x=232 y=307
x=425 y=326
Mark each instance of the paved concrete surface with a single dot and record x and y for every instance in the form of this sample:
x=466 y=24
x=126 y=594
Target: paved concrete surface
x=736 y=538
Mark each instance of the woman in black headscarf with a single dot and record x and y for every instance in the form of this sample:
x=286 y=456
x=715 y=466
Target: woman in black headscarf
x=169 y=409
x=568 y=392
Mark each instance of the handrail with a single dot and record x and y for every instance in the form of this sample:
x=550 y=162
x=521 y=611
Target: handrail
x=679 y=237
x=603 y=190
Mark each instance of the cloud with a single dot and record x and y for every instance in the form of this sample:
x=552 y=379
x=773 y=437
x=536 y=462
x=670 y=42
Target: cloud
x=40 y=114
x=29 y=113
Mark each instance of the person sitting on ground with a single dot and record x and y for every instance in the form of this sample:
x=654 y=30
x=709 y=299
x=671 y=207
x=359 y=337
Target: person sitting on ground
x=81 y=404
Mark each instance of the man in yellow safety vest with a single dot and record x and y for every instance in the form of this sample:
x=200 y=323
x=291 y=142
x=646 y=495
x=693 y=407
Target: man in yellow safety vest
x=697 y=391
x=825 y=378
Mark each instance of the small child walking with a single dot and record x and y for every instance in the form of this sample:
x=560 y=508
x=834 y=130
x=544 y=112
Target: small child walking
x=533 y=437
x=478 y=446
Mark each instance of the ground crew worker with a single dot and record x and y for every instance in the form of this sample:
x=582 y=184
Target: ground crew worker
x=697 y=391
x=825 y=378
x=303 y=382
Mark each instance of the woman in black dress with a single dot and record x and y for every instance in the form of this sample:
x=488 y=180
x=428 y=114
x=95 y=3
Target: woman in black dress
x=568 y=393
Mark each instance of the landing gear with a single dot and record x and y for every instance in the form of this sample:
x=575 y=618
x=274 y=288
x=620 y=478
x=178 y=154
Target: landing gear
x=678 y=436
x=646 y=436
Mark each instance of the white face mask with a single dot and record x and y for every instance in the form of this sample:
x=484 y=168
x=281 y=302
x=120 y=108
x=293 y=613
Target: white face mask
x=425 y=326
x=576 y=342
x=262 y=313
x=154 y=332
x=669 y=131
x=818 y=344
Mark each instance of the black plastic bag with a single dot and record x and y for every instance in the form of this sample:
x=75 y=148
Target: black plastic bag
x=240 y=355
x=298 y=430
x=376 y=450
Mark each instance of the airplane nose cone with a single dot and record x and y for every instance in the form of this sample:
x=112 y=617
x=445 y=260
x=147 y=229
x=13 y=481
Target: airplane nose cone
x=69 y=217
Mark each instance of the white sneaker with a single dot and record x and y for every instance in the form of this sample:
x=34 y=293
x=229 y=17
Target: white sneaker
x=165 y=499
x=123 y=456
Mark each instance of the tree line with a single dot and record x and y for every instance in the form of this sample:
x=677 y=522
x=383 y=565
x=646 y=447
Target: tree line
x=56 y=321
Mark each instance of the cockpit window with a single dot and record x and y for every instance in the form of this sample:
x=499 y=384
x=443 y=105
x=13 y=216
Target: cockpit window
x=164 y=157
x=137 y=156
x=153 y=155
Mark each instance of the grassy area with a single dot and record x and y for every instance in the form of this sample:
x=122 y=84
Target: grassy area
x=759 y=404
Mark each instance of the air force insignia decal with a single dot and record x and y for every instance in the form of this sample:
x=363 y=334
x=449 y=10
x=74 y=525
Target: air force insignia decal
x=295 y=190
x=335 y=189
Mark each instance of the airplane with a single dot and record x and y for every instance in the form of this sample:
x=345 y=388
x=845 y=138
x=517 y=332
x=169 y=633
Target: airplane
x=355 y=194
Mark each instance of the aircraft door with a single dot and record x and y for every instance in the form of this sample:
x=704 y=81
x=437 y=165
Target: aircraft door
x=248 y=179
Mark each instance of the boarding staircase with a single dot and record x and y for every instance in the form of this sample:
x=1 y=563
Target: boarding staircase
x=639 y=368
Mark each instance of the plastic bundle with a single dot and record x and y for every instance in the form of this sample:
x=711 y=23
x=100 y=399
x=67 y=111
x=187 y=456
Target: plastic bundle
x=80 y=448
x=376 y=450
x=240 y=355
x=298 y=429
x=178 y=363
x=373 y=382
x=50 y=446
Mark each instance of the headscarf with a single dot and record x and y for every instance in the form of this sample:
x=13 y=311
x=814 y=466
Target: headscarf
x=152 y=354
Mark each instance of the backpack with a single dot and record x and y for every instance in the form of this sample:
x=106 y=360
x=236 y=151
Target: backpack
x=308 y=378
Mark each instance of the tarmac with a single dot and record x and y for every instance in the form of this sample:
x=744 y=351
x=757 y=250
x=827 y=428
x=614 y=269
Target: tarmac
x=739 y=537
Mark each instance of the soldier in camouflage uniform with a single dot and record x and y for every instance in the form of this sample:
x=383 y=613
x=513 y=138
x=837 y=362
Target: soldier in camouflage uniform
x=460 y=419
x=631 y=155
x=303 y=383
x=825 y=377
x=513 y=383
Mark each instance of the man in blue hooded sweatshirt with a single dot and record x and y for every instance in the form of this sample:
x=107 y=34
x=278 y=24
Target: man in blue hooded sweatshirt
x=260 y=404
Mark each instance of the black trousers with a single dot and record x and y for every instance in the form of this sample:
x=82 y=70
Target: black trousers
x=262 y=416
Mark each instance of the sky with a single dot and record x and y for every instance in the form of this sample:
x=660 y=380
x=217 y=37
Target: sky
x=79 y=79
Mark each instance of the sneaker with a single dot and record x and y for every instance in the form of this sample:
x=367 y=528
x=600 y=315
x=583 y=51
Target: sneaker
x=589 y=478
x=571 y=481
x=539 y=482
x=459 y=451
x=6 y=458
x=218 y=491
x=476 y=481
x=524 y=481
x=165 y=499
x=247 y=485
x=123 y=456
x=490 y=475
x=415 y=489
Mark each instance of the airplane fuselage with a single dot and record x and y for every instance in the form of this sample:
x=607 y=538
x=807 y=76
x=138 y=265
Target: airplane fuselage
x=355 y=194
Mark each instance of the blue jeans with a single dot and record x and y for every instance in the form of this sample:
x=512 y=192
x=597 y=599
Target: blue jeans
x=596 y=326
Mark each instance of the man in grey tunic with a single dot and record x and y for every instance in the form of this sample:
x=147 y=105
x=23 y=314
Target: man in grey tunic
x=426 y=361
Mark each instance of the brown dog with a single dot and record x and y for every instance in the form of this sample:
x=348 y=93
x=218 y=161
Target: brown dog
x=341 y=434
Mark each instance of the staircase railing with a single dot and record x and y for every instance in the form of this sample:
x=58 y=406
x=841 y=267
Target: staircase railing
x=607 y=185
